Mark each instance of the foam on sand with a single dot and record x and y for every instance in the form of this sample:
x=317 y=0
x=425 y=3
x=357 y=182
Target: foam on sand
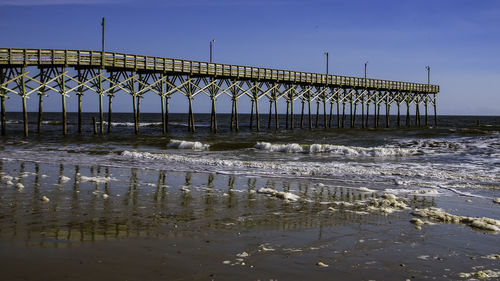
x=98 y=180
x=492 y=257
x=64 y=179
x=194 y=145
x=482 y=274
x=279 y=194
x=442 y=216
x=322 y=264
x=385 y=204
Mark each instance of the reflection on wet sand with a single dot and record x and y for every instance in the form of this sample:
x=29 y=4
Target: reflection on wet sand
x=89 y=204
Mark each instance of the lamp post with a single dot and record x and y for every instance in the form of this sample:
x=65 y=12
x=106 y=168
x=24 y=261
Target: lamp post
x=326 y=53
x=211 y=47
x=428 y=75
x=102 y=57
x=365 y=69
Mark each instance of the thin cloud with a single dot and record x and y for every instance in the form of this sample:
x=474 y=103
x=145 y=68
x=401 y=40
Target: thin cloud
x=187 y=3
x=56 y=2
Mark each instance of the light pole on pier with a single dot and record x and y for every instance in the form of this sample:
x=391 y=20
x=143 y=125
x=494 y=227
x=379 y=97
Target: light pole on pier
x=102 y=57
x=326 y=53
x=428 y=75
x=211 y=47
x=366 y=63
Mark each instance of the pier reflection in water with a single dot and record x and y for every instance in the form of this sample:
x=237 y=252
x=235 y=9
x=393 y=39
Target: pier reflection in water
x=93 y=203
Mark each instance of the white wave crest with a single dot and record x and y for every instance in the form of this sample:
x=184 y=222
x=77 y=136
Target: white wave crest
x=194 y=145
x=362 y=151
x=292 y=147
x=337 y=149
x=131 y=124
x=435 y=144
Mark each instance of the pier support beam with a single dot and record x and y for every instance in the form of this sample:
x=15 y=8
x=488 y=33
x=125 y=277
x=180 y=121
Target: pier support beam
x=110 y=111
x=363 y=108
x=355 y=100
x=317 y=114
x=236 y=114
x=343 y=114
x=231 y=122
x=426 y=109
x=110 y=100
x=417 y=113
x=213 y=116
x=325 y=124
x=287 y=113
x=138 y=97
x=251 y=113
x=351 y=109
x=162 y=105
x=330 y=118
x=387 y=111
x=270 y=113
x=338 y=110
x=101 y=111
x=191 y=126
x=213 y=113
x=276 y=120
x=40 y=110
x=399 y=112
x=435 y=112
x=63 y=101
x=309 y=110
x=2 y=103
x=367 y=124
x=41 y=94
x=257 y=118
x=408 y=121
x=25 y=116
x=79 y=94
x=2 y=112
x=379 y=102
x=134 y=106
x=302 y=115
x=167 y=102
x=24 y=96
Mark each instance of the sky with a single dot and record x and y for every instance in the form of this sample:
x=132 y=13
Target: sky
x=458 y=39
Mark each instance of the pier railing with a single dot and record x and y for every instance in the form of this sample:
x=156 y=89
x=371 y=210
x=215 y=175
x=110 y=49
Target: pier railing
x=94 y=59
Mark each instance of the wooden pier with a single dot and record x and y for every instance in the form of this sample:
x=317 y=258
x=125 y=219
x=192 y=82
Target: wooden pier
x=25 y=72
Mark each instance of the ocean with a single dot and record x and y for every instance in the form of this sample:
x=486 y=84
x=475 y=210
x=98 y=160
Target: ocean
x=409 y=203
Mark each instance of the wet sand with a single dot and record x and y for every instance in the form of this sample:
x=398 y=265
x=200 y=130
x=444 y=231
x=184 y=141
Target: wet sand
x=158 y=225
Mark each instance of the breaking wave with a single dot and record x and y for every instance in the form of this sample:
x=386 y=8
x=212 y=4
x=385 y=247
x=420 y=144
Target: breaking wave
x=194 y=145
x=338 y=149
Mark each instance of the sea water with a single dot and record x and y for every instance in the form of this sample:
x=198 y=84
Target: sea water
x=385 y=204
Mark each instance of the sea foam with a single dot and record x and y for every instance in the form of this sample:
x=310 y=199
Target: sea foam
x=338 y=149
x=194 y=145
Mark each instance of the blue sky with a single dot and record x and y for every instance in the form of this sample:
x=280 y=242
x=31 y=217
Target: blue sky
x=459 y=39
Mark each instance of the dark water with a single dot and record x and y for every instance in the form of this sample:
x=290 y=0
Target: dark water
x=152 y=191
